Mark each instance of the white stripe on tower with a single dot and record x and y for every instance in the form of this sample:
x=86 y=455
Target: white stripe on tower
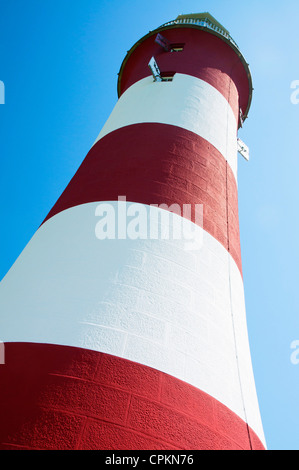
x=150 y=301
x=189 y=102
x=128 y=340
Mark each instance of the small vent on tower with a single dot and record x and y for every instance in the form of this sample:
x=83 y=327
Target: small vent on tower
x=177 y=47
x=167 y=46
x=167 y=76
x=159 y=76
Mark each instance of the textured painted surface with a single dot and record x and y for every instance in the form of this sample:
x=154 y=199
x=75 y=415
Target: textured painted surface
x=57 y=397
x=149 y=301
x=205 y=56
x=183 y=169
x=185 y=102
x=139 y=343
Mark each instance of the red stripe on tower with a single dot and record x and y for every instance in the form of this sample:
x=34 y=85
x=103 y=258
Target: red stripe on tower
x=118 y=334
x=88 y=400
x=184 y=169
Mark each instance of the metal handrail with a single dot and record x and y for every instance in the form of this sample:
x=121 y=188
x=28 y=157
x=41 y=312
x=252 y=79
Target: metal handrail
x=204 y=22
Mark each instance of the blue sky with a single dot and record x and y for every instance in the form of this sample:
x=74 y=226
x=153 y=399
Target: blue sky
x=59 y=62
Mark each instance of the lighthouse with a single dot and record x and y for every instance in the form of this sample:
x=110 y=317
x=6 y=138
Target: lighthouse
x=123 y=319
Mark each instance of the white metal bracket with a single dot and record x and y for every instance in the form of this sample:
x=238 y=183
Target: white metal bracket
x=243 y=149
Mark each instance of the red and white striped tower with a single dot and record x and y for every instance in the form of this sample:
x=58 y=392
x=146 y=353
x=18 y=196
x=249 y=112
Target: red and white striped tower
x=130 y=341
